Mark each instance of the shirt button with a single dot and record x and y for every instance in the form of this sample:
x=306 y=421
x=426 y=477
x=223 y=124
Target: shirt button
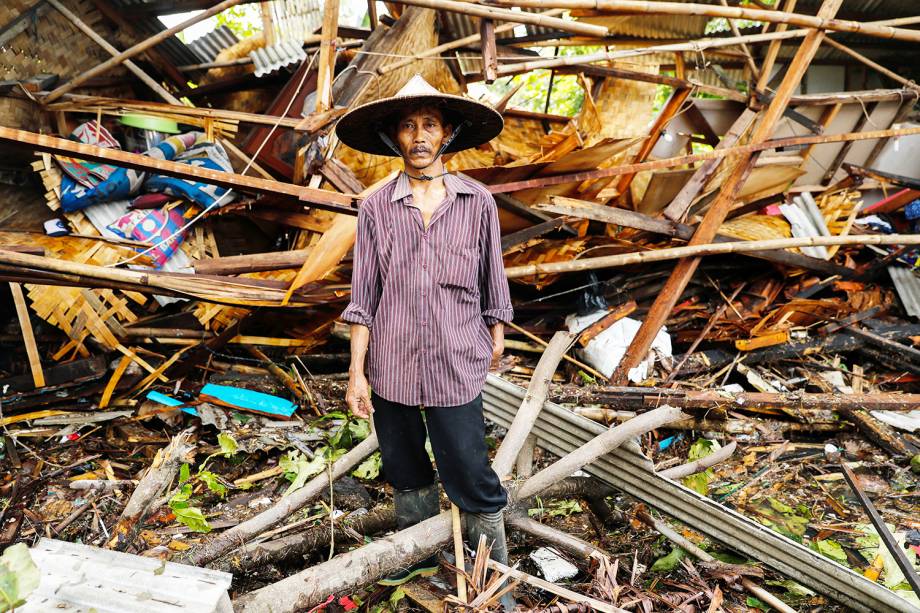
x=424 y=323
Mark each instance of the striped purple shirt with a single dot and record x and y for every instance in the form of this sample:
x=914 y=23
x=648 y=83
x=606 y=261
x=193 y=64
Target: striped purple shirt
x=428 y=295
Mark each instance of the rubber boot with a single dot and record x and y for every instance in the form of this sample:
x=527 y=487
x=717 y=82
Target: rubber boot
x=492 y=525
x=412 y=507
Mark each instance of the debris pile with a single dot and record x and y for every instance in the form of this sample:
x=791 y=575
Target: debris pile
x=708 y=398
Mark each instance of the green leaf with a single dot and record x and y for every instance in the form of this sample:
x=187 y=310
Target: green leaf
x=563 y=508
x=184 y=473
x=298 y=468
x=756 y=604
x=794 y=589
x=915 y=464
x=702 y=448
x=193 y=518
x=181 y=497
x=213 y=482
x=831 y=549
x=397 y=595
x=19 y=576
x=360 y=429
x=670 y=561
x=369 y=468
x=228 y=444
x=699 y=482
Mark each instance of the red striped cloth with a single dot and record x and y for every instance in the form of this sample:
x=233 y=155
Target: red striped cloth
x=428 y=295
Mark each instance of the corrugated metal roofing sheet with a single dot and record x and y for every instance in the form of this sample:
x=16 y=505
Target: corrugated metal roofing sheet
x=212 y=43
x=269 y=59
x=908 y=286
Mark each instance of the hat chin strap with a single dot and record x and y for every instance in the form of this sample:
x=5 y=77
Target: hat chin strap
x=389 y=143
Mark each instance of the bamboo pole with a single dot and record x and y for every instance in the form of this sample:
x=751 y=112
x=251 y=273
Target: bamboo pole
x=136 y=49
x=643 y=7
x=660 y=255
x=501 y=14
x=501 y=188
x=458 y=551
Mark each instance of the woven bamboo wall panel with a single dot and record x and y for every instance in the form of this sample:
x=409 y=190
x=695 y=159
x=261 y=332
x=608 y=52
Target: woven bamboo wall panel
x=54 y=45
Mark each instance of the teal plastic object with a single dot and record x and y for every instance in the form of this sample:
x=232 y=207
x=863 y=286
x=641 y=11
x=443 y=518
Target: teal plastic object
x=248 y=400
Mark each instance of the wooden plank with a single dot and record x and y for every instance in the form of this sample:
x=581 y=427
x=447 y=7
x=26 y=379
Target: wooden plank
x=326 y=67
x=489 y=52
x=254 y=262
x=28 y=335
x=721 y=206
x=319 y=198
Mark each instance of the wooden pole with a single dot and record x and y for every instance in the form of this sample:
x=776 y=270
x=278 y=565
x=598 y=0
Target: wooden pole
x=136 y=49
x=533 y=403
x=670 y=110
x=643 y=7
x=489 y=52
x=694 y=46
x=28 y=336
x=755 y=74
x=697 y=250
x=500 y=14
x=326 y=67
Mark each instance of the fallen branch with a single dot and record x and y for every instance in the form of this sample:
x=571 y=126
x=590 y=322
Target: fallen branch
x=533 y=403
x=241 y=534
x=293 y=546
x=597 y=447
x=556 y=537
x=702 y=464
x=149 y=490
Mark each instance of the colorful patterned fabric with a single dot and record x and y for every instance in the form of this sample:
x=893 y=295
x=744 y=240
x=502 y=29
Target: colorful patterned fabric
x=153 y=226
x=192 y=149
x=89 y=174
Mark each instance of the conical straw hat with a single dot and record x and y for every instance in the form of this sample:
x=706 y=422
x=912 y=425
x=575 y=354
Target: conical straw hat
x=360 y=126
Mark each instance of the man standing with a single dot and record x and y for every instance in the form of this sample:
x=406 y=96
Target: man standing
x=429 y=300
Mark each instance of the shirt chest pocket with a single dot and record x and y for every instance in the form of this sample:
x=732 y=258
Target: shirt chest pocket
x=459 y=267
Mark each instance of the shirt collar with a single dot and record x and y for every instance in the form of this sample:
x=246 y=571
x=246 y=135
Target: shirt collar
x=454 y=184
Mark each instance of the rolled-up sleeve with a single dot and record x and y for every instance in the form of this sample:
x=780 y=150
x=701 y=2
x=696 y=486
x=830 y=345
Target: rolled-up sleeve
x=495 y=296
x=365 y=276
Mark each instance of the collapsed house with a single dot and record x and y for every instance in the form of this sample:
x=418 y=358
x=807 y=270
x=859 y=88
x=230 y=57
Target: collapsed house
x=712 y=267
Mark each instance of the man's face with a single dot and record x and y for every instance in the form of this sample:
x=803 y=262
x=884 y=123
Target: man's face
x=419 y=135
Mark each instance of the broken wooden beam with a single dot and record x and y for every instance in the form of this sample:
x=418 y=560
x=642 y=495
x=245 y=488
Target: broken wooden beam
x=28 y=336
x=254 y=262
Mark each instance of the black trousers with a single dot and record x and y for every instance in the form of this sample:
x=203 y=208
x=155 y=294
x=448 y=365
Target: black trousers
x=459 y=445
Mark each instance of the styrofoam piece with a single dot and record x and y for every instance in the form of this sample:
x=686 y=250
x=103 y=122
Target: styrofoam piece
x=81 y=578
x=552 y=566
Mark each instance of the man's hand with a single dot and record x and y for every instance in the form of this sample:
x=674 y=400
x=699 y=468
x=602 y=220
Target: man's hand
x=358 y=396
x=498 y=343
